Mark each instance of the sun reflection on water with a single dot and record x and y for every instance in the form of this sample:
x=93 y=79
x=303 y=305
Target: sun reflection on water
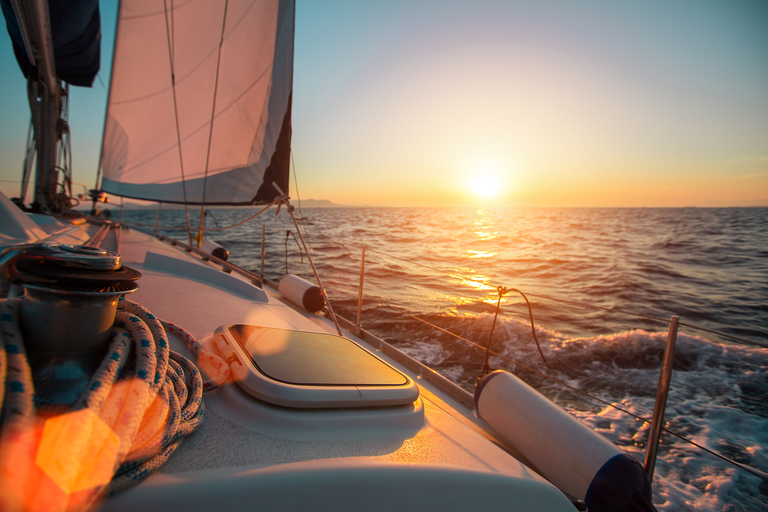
x=477 y=282
x=483 y=227
x=480 y=254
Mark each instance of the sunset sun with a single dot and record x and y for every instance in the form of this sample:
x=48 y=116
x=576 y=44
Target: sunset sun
x=487 y=181
x=485 y=185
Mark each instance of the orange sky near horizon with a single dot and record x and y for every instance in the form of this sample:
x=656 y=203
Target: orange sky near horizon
x=560 y=104
x=588 y=104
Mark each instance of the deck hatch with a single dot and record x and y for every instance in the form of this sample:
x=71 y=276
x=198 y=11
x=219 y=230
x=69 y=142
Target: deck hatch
x=312 y=370
x=313 y=359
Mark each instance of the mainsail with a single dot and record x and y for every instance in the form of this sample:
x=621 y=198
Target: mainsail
x=200 y=101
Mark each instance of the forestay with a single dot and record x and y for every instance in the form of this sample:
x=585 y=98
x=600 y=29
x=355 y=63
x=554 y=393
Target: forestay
x=200 y=101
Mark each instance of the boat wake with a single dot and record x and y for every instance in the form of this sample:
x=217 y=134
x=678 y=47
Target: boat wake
x=714 y=401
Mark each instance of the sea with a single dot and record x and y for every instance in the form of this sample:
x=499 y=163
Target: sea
x=603 y=285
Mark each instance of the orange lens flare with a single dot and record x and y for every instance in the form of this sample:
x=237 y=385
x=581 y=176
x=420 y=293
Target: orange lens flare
x=64 y=462
x=78 y=451
x=58 y=463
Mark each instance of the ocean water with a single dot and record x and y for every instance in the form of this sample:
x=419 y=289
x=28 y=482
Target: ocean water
x=582 y=271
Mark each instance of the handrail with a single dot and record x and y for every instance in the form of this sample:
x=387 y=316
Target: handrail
x=98 y=237
x=225 y=266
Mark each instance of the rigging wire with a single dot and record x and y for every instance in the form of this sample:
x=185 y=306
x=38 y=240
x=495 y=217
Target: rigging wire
x=209 y=212
x=288 y=235
x=210 y=129
x=298 y=197
x=290 y=209
x=97 y=185
x=170 y=33
x=28 y=162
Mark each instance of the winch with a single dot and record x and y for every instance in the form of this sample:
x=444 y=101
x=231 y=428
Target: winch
x=69 y=298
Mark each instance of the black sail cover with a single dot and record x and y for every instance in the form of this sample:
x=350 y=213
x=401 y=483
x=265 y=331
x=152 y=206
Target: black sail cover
x=200 y=101
x=76 y=36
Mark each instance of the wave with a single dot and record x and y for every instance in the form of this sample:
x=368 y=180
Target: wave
x=716 y=397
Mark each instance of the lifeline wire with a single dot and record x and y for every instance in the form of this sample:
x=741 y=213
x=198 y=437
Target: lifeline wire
x=240 y=223
x=583 y=304
x=743 y=467
x=134 y=412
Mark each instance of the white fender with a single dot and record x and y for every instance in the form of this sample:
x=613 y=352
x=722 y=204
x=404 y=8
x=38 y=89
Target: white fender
x=568 y=453
x=302 y=293
x=214 y=249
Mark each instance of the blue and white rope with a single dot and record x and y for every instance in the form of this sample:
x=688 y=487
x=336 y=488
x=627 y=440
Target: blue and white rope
x=147 y=395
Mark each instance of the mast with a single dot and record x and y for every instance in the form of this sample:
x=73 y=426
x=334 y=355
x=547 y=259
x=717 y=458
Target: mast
x=57 y=44
x=44 y=92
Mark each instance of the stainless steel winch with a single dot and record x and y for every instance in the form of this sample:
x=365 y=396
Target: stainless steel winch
x=69 y=298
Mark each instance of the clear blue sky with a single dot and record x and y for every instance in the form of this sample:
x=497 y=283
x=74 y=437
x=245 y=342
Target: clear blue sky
x=547 y=102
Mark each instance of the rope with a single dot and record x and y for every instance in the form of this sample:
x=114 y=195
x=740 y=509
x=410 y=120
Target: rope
x=202 y=355
x=276 y=202
x=132 y=415
x=533 y=328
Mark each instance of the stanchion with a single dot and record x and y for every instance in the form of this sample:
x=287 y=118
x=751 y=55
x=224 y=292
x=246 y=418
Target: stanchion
x=358 y=326
x=263 y=249
x=665 y=378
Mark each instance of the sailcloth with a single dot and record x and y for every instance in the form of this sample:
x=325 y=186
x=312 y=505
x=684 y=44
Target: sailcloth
x=200 y=101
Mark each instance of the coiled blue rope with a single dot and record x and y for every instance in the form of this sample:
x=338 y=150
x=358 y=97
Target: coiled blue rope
x=148 y=397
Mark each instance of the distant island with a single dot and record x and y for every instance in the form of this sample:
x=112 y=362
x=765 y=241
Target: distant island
x=317 y=203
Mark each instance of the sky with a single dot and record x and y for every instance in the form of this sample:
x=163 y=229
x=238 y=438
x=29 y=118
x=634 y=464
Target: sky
x=499 y=103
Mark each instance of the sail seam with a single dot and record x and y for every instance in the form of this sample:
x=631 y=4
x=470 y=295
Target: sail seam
x=193 y=69
x=202 y=126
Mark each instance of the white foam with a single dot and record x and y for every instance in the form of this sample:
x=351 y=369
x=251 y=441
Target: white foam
x=704 y=404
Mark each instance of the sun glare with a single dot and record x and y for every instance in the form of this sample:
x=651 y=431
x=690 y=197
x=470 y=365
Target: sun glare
x=487 y=181
x=484 y=185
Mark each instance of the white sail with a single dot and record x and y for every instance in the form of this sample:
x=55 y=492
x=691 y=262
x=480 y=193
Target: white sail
x=190 y=119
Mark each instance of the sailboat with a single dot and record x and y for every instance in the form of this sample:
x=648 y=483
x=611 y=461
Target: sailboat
x=142 y=374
